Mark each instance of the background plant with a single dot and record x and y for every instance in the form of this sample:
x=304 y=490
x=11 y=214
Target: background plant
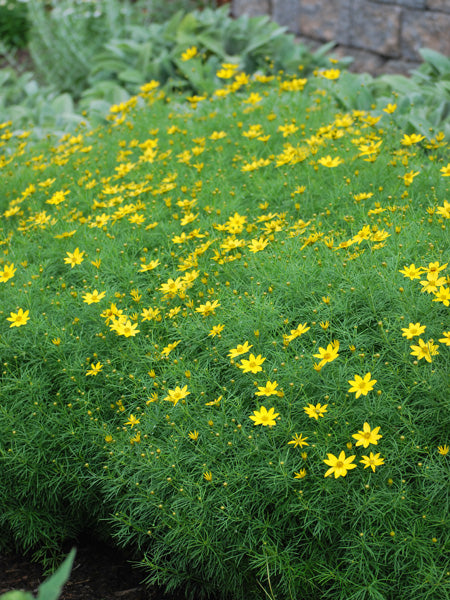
x=14 y=24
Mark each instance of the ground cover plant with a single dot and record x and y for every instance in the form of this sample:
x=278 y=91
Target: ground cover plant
x=224 y=339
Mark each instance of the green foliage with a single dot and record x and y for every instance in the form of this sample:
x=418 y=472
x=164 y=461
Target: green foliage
x=119 y=42
x=51 y=588
x=423 y=100
x=146 y=251
x=14 y=24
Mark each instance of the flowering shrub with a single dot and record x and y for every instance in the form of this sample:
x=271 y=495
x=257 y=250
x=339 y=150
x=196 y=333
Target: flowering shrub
x=224 y=334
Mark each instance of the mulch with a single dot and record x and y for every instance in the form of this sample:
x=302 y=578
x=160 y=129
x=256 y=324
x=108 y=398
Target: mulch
x=99 y=572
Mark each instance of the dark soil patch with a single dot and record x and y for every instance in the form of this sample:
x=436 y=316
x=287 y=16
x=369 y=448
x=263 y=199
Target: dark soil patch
x=99 y=572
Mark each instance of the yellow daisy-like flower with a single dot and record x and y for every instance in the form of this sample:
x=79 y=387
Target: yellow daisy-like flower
x=132 y=420
x=372 y=461
x=7 y=272
x=367 y=436
x=177 y=394
x=95 y=369
x=444 y=450
x=329 y=162
x=412 y=271
x=446 y=339
x=300 y=474
x=409 y=140
x=74 y=258
x=252 y=364
x=216 y=330
x=264 y=417
x=425 y=350
x=362 y=385
x=339 y=465
x=328 y=354
x=267 y=390
x=19 y=318
x=412 y=330
x=330 y=74
x=314 y=412
x=94 y=297
x=168 y=349
x=189 y=53
x=298 y=441
x=240 y=349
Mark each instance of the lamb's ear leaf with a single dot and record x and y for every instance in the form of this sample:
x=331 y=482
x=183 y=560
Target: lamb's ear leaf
x=52 y=587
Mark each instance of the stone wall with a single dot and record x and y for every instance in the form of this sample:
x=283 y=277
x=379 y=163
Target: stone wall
x=383 y=36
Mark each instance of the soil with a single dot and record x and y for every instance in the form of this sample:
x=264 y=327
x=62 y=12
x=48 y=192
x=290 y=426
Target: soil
x=99 y=572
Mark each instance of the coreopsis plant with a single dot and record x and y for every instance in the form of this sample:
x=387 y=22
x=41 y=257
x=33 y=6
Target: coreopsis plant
x=225 y=341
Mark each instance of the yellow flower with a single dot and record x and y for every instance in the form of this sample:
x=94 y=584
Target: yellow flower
x=330 y=73
x=298 y=441
x=329 y=354
x=94 y=297
x=148 y=314
x=300 y=474
x=339 y=465
x=189 y=53
x=390 y=108
x=264 y=417
x=367 y=436
x=425 y=350
x=125 y=328
x=412 y=330
x=408 y=178
x=56 y=341
x=19 y=318
x=216 y=330
x=177 y=394
x=295 y=333
x=168 y=349
x=7 y=272
x=412 y=272
x=446 y=339
x=446 y=171
x=95 y=369
x=136 y=295
x=257 y=245
x=252 y=365
x=149 y=266
x=208 y=308
x=268 y=390
x=444 y=450
x=136 y=439
x=409 y=140
x=214 y=402
x=132 y=420
x=372 y=461
x=314 y=412
x=327 y=161
x=362 y=385
x=193 y=435
x=207 y=476
x=240 y=349
x=74 y=258
x=442 y=295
